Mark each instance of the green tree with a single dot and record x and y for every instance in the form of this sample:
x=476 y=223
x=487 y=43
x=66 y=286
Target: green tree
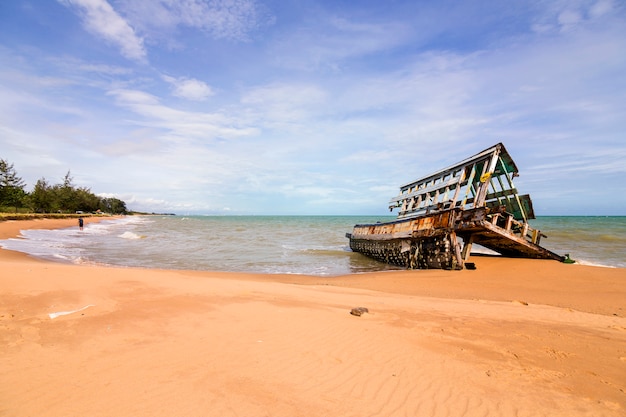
x=46 y=198
x=113 y=206
x=12 y=192
x=65 y=194
x=42 y=198
x=85 y=200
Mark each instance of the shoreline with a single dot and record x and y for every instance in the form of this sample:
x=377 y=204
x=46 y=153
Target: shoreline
x=10 y=229
x=513 y=336
x=533 y=280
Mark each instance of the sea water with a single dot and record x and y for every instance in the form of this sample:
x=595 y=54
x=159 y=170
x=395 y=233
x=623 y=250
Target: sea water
x=590 y=240
x=313 y=245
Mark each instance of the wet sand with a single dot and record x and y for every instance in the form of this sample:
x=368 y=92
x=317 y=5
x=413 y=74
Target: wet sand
x=513 y=337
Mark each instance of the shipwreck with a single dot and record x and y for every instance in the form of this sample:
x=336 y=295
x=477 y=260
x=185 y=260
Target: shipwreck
x=441 y=215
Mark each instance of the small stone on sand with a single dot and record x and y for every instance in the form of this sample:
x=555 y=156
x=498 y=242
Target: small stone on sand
x=357 y=311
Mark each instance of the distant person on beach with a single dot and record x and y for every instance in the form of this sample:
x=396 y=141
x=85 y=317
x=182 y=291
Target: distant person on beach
x=80 y=223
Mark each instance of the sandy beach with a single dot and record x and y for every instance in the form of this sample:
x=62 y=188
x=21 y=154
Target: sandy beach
x=515 y=337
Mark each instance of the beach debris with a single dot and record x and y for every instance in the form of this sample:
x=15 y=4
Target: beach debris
x=568 y=260
x=357 y=311
x=520 y=302
x=65 y=313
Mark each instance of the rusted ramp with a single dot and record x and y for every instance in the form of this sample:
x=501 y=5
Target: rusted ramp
x=504 y=242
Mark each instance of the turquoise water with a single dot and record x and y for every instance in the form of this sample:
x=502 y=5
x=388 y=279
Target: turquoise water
x=314 y=245
x=595 y=240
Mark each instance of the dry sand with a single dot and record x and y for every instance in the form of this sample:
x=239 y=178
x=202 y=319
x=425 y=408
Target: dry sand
x=512 y=338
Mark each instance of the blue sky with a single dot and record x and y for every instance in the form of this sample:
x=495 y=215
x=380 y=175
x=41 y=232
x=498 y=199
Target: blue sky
x=313 y=107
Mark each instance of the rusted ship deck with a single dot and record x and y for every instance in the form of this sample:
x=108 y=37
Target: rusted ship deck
x=443 y=214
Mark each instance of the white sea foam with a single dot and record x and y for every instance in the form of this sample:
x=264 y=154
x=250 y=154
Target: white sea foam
x=130 y=235
x=69 y=244
x=587 y=263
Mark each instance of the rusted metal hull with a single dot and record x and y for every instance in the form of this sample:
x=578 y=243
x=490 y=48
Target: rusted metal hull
x=443 y=240
x=424 y=253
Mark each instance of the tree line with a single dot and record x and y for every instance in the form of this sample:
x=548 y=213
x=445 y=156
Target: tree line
x=51 y=198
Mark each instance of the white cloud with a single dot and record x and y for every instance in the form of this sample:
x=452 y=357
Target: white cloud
x=564 y=15
x=569 y=18
x=278 y=105
x=189 y=88
x=104 y=69
x=220 y=19
x=327 y=43
x=134 y=97
x=601 y=8
x=179 y=125
x=103 y=21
